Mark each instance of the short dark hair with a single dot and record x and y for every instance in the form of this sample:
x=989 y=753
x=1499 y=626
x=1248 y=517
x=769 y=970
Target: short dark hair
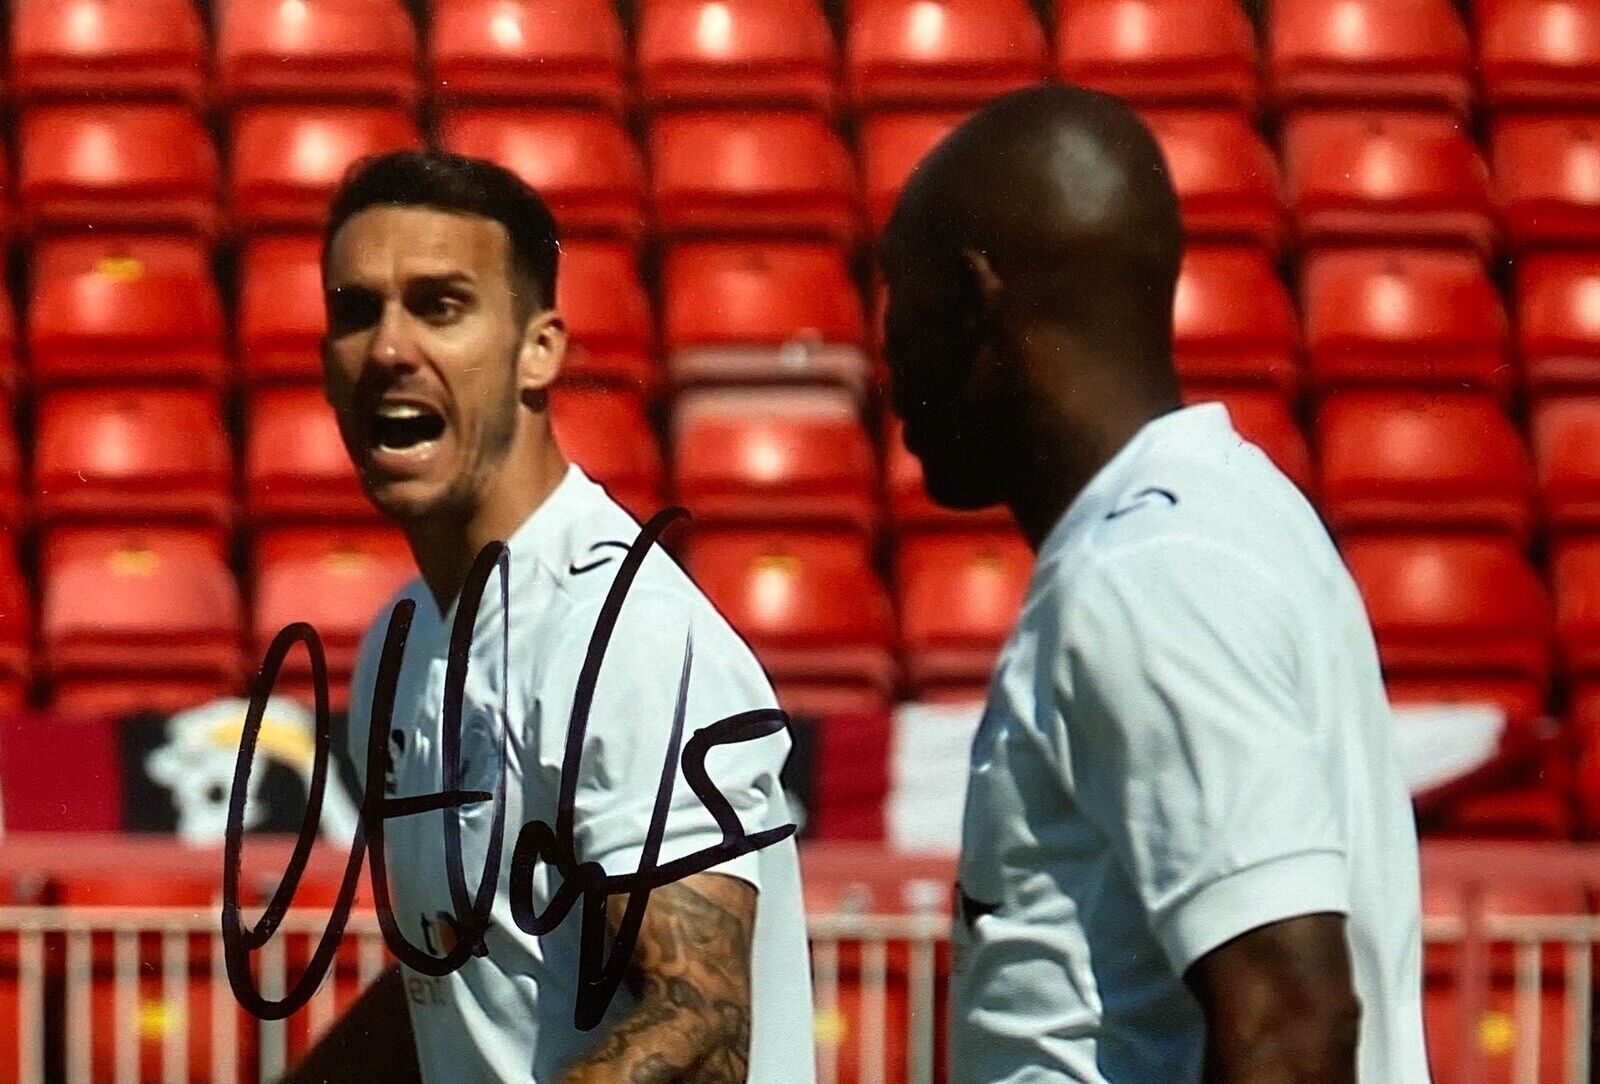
x=455 y=182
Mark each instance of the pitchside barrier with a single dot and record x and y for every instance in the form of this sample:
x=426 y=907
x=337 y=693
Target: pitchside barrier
x=117 y=974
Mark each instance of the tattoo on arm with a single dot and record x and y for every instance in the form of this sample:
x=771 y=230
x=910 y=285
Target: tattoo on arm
x=691 y=975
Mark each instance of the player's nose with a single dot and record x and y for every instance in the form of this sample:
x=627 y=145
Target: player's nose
x=393 y=344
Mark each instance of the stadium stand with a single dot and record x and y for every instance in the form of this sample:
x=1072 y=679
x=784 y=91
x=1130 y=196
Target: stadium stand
x=295 y=464
x=528 y=52
x=1538 y=53
x=1226 y=177
x=892 y=142
x=1548 y=169
x=1196 y=53
x=1557 y=297
x=147 y=49
x=736 y=53
x=1233 y=321
x=279 y=323
x=316 y=50
x=608 y=316
x=946 y=53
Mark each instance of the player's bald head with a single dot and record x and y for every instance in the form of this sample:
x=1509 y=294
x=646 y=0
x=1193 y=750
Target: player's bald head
x=1063 y=189
x=1030 y=265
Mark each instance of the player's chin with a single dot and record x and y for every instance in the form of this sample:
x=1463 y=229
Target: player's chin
x=407 y=500
x=960 y=490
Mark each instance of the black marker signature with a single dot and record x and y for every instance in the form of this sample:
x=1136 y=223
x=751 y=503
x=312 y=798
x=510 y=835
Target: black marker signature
x=599 y=977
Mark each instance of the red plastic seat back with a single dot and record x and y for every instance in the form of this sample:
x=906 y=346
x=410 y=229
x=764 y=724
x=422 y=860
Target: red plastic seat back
x=1160 y=52
x=759 y=293
x=281 y=317
x=607 y=313
x=147 y=49
x=1539 y=53
x=1265 y=418
x=1548 y=171
x=606 y=433
x=961 y=588
x=892 y=145
x=1225 y=176
x=1558 y=321
x=1387 y=53
x=1566 y=437
x=1575 y=571
x=1233 y=321
x=568 y=52
x=287 y=160
x=941 y=52
x=317 y=50
x=296 y=467
x=735 y=53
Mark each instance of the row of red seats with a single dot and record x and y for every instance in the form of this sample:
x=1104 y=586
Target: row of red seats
x=1351 y=177
x=1448 y=460
x=115 y=309
x=148 y=614
x=698 y=52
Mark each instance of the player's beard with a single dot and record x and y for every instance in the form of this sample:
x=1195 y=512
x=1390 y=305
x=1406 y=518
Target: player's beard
x=493 y=441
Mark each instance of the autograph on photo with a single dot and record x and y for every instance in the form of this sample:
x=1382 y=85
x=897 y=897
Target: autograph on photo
x=599 y=976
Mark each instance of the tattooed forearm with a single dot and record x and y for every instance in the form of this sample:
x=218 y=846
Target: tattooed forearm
x=691 y=975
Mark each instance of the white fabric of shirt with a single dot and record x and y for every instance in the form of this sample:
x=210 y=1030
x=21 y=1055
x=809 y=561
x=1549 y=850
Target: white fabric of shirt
x=1186 y=738
x=508 y=1016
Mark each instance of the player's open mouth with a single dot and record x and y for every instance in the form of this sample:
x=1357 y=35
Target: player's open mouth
x=402 y=435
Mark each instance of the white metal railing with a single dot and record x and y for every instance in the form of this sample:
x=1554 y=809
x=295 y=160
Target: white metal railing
x=123 y=982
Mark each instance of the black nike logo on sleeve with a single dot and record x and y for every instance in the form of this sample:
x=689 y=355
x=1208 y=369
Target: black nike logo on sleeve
x=1141 y=499
x=576 y=569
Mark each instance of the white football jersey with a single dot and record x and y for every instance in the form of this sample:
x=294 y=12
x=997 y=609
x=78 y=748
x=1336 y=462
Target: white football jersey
x=508 y=1015
x=1186 y=737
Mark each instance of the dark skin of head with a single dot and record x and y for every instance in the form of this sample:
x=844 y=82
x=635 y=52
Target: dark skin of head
x=1030 y=264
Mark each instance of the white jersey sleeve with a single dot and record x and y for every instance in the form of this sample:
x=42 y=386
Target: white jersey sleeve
x=1189 y=746
x=661 y=640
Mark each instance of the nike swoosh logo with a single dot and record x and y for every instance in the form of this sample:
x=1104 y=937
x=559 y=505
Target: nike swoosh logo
x=1140 y=500
x=576 y=569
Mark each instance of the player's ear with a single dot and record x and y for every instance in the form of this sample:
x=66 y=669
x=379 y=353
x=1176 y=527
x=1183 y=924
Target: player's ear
x=544 y=346
x=984 y=280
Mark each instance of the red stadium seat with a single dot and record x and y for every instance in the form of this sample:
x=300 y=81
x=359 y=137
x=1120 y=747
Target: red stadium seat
x=1383 y=53
x=8 y=346
x=1226 y=177
x=775 y=457
x=1425 y=461
x=608 y=316
x=527 y=52
x=1575 y=573
x=1558 y=321
x=581 y=161
x=123 y=166
x=1566 y=453
x=107 y=48
x=1458 y=619
x=1418 y=317
x=1539 y=53
x=16 y=627
x=1160 y=52
x=138 y=617
x=752 y=173
x=960 y=593
x=281 y=315
x=296 y=467
x=133 y=454
x=941 y=52
x=1548 y=169
x=1388 y=178
x=123 y=318
x=1265 y=418
x=735 y=53
x=316 y=50
x=810 y=605
x=68 y=254
x=287 y=160
x=892 y=144
x=11 y=475
x=1233 y=321
x=337 y=579
x=910 y=506
x=606 y=433
x=765 y=313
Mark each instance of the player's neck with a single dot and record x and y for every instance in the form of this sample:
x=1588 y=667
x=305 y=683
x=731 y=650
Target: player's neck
x=444 y=551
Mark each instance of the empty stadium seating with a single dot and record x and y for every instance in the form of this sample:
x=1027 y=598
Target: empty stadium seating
x=959 y=594
x=281 y=318
x=751 y=173
x=140 y=166
x=952 y=53
x=134 y=455
x=1539 y=53
x=1382 y=53
x=607 y=315
x=1575 y=573
x=607 y=434
x=1226 y=177
x=287 y=159
x=1566 y=451
x=810 y=605
x=566 y=52
x=775 y=457
x=1233 y=321
x=316 y=50
x=1419 y=317
x=762 y=313
x=892 y=143
x=1428 y=461
x=295 y=464
x=1558 y=321
x=1458 y=619
x=1548 y=170
x=102 y=49
x=1356 y=177
x=16 y=626
x=581 y=161
x=760 y=53
x=1264 y=417
x=1160 y=52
